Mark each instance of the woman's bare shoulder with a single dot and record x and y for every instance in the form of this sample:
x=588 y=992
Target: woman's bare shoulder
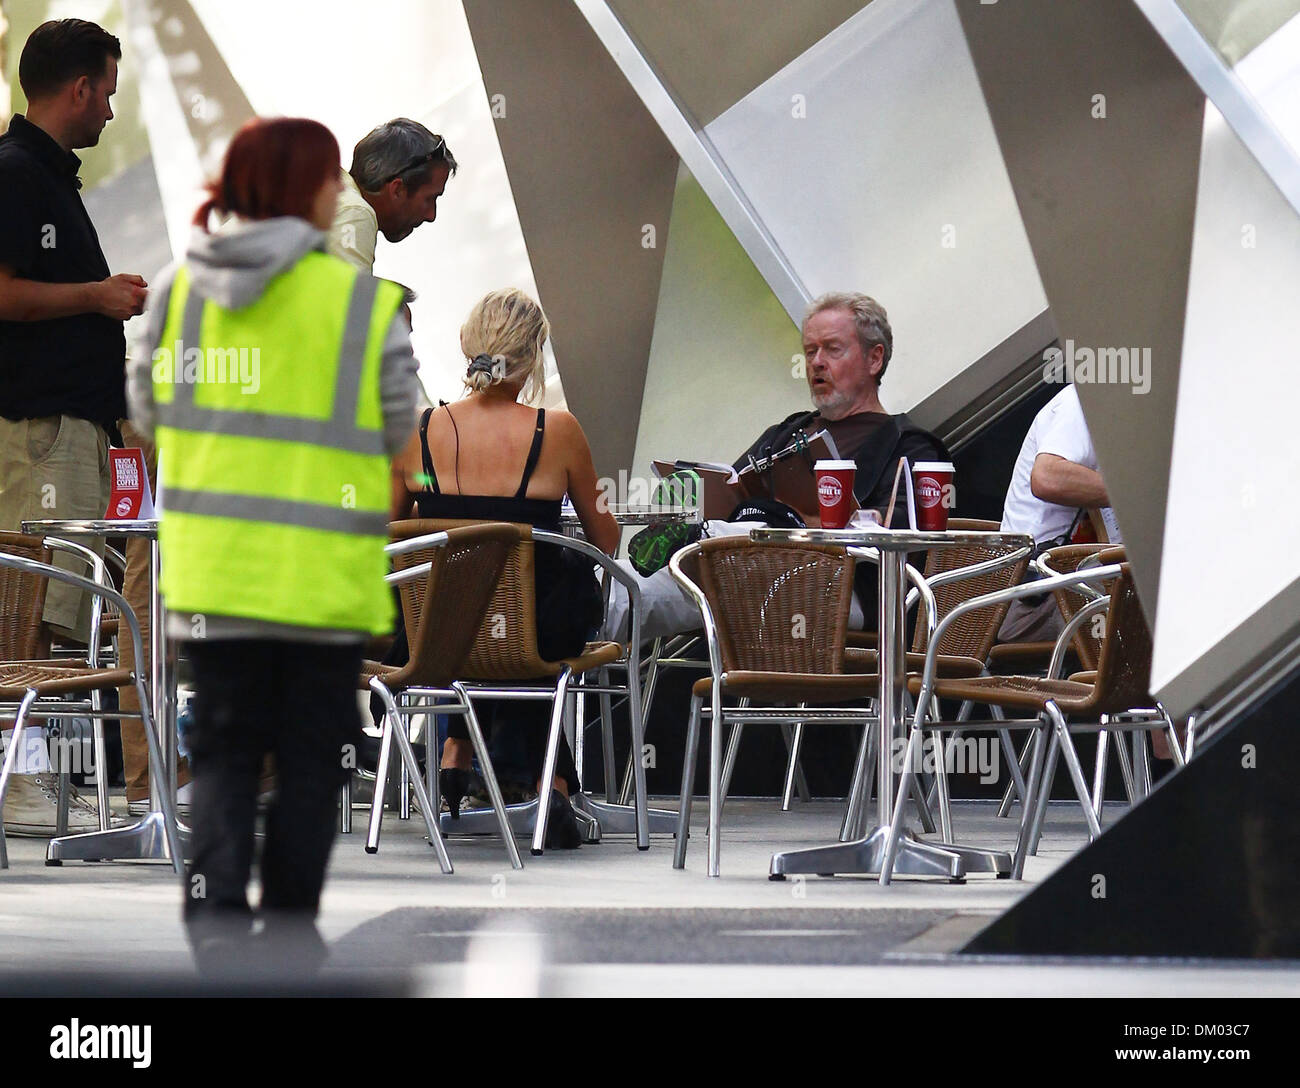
x=566 y=424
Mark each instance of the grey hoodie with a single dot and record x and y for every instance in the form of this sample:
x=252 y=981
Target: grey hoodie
x=232 y=268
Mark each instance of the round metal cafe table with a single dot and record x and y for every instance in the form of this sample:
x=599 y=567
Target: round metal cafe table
x=865 y=855
x=145 y=839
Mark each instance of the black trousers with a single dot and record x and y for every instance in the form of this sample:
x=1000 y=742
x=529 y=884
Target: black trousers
x=296 y=701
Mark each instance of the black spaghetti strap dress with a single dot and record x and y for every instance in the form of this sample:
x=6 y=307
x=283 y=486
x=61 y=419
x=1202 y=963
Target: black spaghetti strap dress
x=568 y=598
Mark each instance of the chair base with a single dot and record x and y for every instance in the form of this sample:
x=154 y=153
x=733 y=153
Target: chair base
x=144 y=840
x=621 y=819
x=523 y=820
x=914 y=858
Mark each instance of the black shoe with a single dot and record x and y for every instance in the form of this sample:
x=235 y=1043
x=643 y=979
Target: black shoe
x=562 y=831
x=453 y=783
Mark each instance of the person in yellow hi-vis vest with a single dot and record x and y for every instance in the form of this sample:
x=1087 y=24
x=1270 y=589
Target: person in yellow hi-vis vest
x=278 y=381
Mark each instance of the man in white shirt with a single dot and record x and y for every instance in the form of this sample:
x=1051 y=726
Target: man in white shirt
x=1055 y=477
x=399 y=170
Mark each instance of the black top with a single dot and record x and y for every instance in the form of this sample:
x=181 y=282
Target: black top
x=69 y=365
x=877 y=457
x=539 y=513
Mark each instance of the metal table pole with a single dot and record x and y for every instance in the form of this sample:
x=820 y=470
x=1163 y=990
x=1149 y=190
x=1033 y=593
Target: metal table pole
x=145 y=839
x=866 y=855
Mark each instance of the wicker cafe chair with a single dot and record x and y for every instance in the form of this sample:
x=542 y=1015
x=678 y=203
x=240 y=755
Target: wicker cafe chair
x=1082 y=653
x=1024 y=658
x=1119 y=699
x=511 y=668
x=24 y=637
x=774 y=619
x=445 y=581
x=38 y=689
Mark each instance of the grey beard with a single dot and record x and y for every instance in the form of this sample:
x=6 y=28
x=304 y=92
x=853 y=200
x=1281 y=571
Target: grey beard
x=832 y=404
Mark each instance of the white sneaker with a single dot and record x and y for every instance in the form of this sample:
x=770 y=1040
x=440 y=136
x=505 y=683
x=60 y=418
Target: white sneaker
x=183 y=798
x=31 y=807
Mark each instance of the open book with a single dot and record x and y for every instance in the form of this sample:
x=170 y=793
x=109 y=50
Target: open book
x=787 y=476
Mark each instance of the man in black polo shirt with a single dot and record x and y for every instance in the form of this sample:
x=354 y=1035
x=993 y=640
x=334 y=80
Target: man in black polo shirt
x=62 y=350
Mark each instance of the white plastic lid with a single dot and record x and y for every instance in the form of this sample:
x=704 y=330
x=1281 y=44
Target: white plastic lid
x=828 y=464
x=934 y=466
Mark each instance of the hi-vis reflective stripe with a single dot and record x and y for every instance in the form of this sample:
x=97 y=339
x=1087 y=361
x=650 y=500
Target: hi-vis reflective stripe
x=308 y=515
x=340 y=432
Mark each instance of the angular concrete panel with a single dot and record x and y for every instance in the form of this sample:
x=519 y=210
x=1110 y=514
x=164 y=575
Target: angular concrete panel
x=1100 y=128
x=592 y=178
x=711 y=53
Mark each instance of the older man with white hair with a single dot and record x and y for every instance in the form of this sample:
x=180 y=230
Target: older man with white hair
x=848 y=342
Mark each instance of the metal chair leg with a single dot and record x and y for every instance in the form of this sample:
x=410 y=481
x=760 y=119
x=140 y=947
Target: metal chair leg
x=552 y=757
x=403 y=775
x=11 y=758
x=923 y=813
x=941 y=783
x=1022 y=761
x=733 y=746
x=101 y=760
x=715 y=783
x=793 y=736
x=381 y=785
x=1142 y=764
x=906 y=786
x=395 y=730
x=1075 y=768
x=489 y=777
x=641 y=794
x=1099 y=773
x=54 y=732
x=1044 y=792
x=856 y=784
x=1126 y=771
x=688 y=782
x=607 y=739
x=1171 y=735
x=1033 y=782
x=345 y=806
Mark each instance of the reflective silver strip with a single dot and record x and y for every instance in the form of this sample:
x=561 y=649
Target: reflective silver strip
x=339 y=432
x=307 y=515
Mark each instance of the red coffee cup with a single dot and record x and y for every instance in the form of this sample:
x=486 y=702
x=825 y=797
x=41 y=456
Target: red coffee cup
x=932 y=484
x=835 y=491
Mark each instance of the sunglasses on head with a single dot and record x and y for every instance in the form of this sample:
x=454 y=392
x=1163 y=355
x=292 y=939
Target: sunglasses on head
x=415 y=164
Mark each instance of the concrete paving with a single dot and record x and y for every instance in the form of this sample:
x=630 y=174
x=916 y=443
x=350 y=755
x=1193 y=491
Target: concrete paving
x=586 y=919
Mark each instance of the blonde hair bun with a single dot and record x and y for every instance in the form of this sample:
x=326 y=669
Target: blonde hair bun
x=503 y=339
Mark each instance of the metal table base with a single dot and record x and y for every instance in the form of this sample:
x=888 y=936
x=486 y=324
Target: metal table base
x=522 y=817
x=866 y=855
x=915 y=858
x=615 y=819
x=143 y=840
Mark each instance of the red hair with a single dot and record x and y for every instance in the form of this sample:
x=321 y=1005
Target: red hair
x=271 y=168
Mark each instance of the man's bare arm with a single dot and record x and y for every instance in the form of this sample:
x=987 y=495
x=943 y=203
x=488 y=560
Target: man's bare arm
x=119 y=297
x=1054 y=479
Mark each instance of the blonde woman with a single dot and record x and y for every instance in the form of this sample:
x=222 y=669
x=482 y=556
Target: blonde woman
x=493 y=457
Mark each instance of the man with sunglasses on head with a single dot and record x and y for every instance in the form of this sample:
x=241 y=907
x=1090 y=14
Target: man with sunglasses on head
x=399 y=170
